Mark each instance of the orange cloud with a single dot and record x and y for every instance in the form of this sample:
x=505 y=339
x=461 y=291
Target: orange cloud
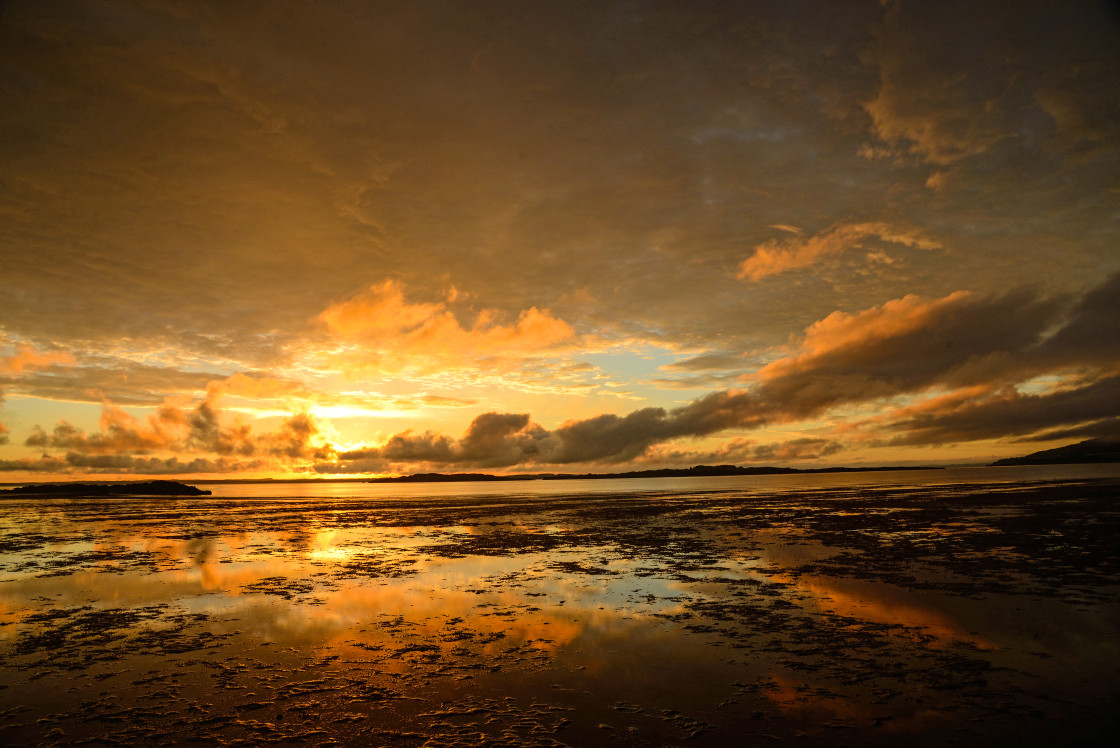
x=29 y=358
x=792 y=253
x=741 y=449
x=258 y=388
x=406 y=334
x=841 y=333
x=179 y=430
x=379 y=310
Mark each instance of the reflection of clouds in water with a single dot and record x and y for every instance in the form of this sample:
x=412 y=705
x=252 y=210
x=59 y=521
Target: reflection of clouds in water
x=875 y=602
x=884 y=603
x=804 y=700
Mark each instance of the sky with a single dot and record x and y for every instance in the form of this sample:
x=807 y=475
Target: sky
x=336 y=239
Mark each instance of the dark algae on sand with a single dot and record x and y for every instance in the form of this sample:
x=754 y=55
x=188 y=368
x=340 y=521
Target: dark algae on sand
x=956 y=614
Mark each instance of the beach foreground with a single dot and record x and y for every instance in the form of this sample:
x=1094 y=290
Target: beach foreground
x=919 y=614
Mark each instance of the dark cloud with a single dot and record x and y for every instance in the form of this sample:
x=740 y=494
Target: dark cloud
x=96 y=378
x=910 y=345
x=948 y=95
x=491 y=440
x=708 y=362
x=796 y=449
x=503 y=439
x=113 y=464
x=1090 y=333
x=1012 y=413
x=1108 y=428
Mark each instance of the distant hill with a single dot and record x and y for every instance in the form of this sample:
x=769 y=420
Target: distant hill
x=1092 y=450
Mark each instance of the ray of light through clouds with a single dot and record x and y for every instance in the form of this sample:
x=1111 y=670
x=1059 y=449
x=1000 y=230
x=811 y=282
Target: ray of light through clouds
x=284 y=238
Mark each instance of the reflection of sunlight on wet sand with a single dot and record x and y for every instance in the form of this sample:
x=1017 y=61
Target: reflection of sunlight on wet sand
x=247 y=585
x=8 y=616
x=428 y=611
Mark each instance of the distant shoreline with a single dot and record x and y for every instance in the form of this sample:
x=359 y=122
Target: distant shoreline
x=698 y=471
x=1062 y=456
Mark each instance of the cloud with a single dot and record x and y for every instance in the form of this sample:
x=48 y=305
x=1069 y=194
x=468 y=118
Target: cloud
x=261 y=387
x=505 y=439
x=378 y=311
x=975 y=350
x=708 y=362
x=96 y=378
x=1108 y=428
x=908 y=345
x=76 y=462
x=793 y=253
x=120 y=432
x=932 y=104
x=740 y=450
x=395 y=333
x=491 y=440
x=28 y=358
x=992 y=86
x=203 y=428
x=1012 y=413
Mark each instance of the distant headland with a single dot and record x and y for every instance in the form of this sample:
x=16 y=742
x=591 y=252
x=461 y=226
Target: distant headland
x=144 y=488
x=690 y=472
x=1089 y=451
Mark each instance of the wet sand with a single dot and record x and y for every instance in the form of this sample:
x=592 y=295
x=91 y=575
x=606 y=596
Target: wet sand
x=949 y=614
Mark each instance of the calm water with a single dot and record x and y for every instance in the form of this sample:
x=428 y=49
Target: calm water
x=752 y=484
x=968 y=606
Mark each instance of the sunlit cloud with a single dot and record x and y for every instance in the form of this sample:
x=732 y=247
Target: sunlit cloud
x=27 y=357
x=393 y=333
x=778 y=256
x=130 y=444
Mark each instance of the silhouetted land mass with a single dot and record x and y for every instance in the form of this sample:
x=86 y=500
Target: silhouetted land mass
x=146 y=488
x=1090 y=451
x=695 y=471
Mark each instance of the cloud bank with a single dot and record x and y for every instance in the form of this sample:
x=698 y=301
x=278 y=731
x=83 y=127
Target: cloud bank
x=167 y=441
x=940 y=371
x=967 y=356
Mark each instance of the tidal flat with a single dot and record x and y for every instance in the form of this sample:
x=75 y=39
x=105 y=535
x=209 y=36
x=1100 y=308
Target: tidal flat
x=957 y=613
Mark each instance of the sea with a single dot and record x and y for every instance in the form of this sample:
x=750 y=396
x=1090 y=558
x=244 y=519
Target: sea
x=964 y=606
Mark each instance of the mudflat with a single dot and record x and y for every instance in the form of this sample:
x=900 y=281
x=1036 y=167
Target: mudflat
x=925 y=615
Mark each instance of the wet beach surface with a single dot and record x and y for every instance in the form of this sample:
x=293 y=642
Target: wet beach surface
x=928 y=615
